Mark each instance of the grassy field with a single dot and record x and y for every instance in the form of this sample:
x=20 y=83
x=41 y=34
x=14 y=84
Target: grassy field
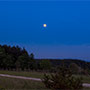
x=24 y=73
x=86 y=79
x=19 y=84
x=11 y=83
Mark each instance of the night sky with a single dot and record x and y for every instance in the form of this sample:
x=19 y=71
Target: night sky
x=67 y=34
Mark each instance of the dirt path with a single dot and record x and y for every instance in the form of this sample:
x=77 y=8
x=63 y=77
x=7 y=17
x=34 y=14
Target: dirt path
x=20 y=77
x=35 y=79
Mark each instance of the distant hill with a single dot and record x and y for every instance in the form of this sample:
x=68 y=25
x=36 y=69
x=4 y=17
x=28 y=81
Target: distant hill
x=68 y=62
x=57 y=62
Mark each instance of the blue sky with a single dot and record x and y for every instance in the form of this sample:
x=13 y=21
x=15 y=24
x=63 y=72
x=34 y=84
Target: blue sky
x=66 y=35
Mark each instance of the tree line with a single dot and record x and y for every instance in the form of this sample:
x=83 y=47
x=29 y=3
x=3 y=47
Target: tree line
x=16 y=58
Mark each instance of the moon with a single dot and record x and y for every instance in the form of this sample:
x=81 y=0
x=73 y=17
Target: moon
x=45 y=25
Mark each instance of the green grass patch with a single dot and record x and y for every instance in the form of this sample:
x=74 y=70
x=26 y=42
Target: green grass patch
x=24 y=73
x=20 y=84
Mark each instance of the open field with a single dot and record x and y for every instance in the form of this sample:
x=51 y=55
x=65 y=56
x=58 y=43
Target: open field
x=11 y=83
x=86 y=79
x=24 y=73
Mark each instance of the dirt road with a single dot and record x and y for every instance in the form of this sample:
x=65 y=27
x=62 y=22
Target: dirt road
x=30 y=78
x=20 y=77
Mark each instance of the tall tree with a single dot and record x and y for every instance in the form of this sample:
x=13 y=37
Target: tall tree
x=22 y=61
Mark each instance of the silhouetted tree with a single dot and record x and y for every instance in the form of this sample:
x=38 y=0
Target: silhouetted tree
x=2 y=57
x=23 y=61
x=32 y=62
x=31 y=56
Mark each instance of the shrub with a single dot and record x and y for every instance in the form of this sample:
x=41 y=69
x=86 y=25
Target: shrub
x=62 y=80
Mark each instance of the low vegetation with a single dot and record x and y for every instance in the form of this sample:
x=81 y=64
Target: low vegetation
x=62 y=80
x=34 y=74
x=20 y=84
x=86 y=79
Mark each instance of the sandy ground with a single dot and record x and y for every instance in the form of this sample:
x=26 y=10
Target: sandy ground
x=30 y=78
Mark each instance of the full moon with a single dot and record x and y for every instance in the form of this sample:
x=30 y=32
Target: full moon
x=44 y=25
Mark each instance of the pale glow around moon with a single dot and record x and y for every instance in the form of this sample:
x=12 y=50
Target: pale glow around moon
x=44 y=25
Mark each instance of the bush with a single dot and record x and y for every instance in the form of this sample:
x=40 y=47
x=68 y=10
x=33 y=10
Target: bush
x=62 y=80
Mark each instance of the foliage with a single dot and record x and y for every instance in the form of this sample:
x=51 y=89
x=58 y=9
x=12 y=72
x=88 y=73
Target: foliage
x=45 y=65
x=32 y=62
x=62 y=80
x=31 y=56
x=14 y=58
x=22 y=62
x=75 y=68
